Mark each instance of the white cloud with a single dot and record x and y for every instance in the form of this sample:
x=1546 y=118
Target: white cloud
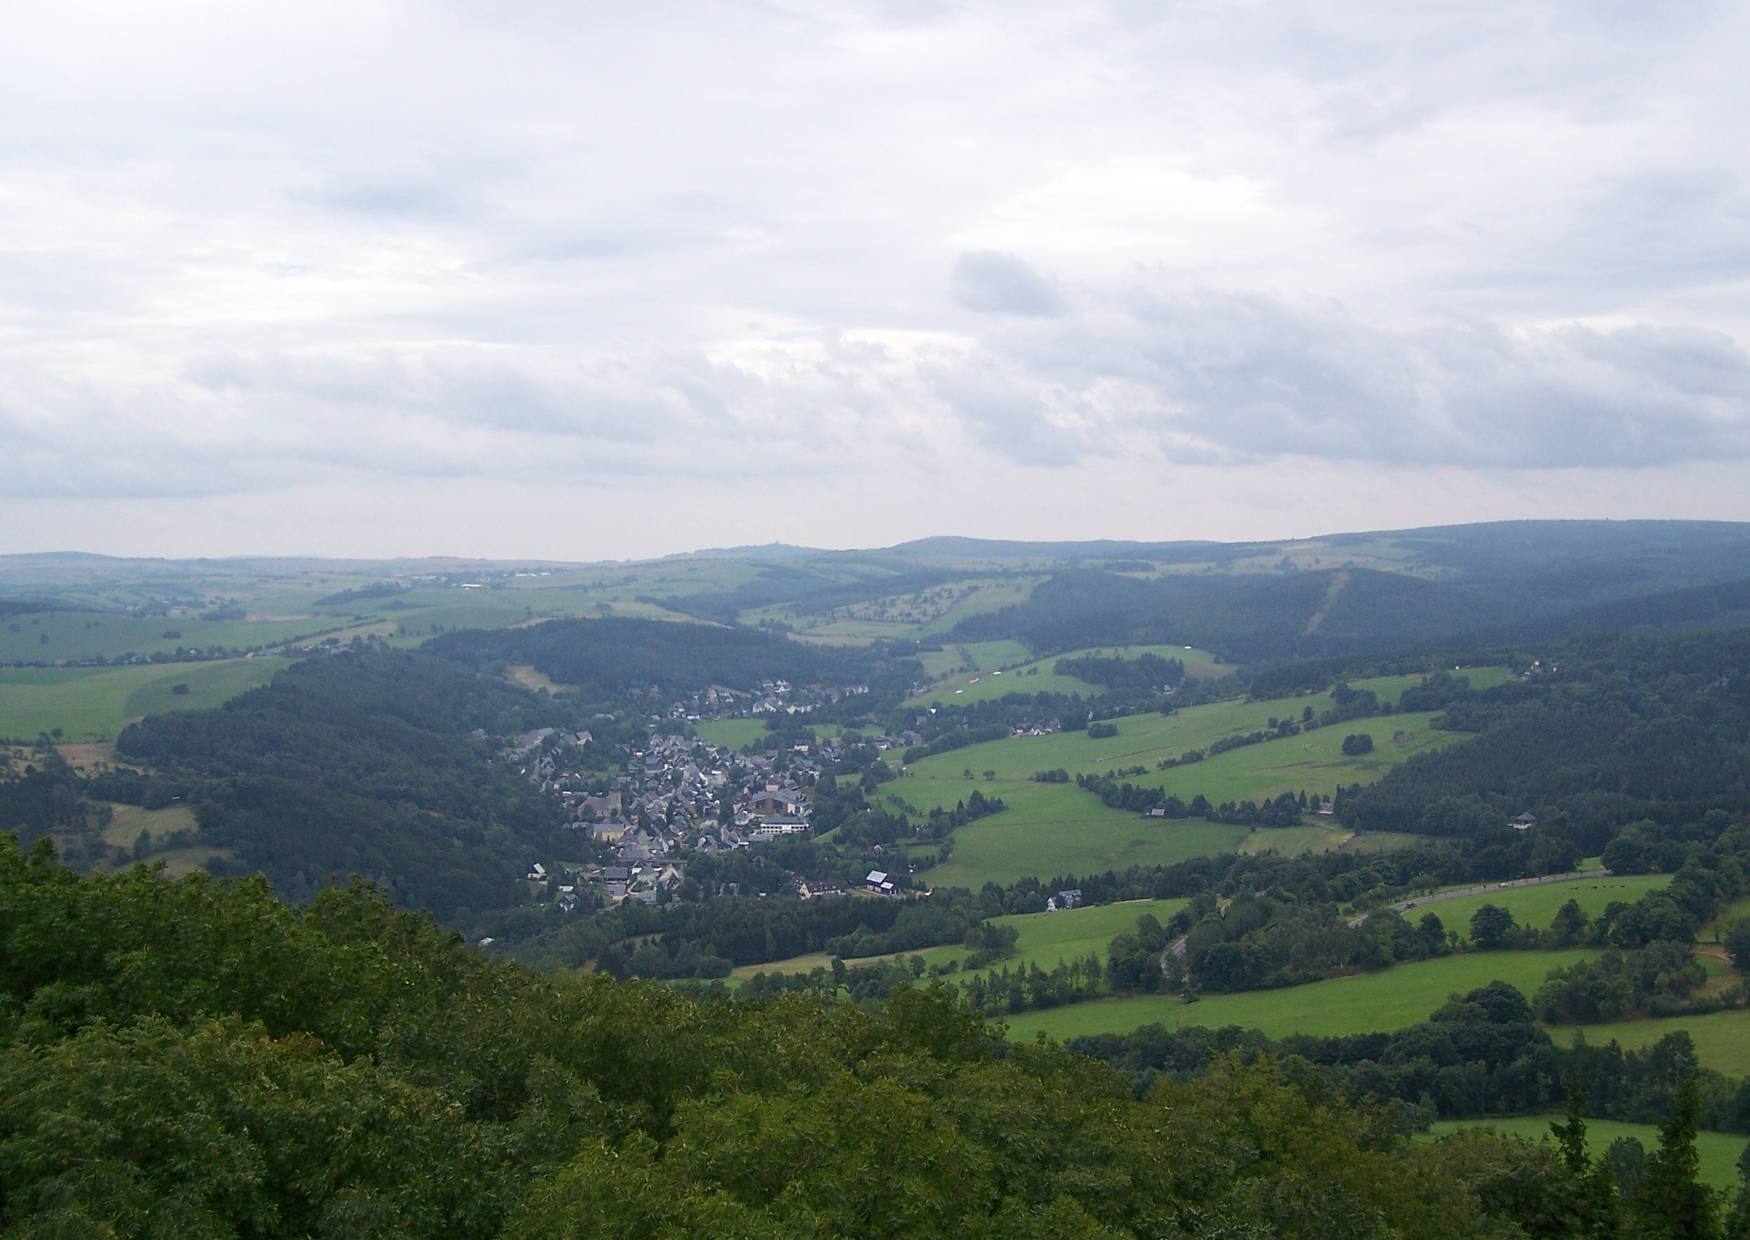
x=408 y=247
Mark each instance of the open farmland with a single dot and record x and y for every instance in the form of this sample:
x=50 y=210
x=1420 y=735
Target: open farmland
x=95 y=703
x=979 y=679
x=1719 y=1151
x=1058 y=828
x=1722 y=1039
x=1536 y=906
x=1365 y=1003
x=1390 y=688
x=1312 y=762
x=1045 y=939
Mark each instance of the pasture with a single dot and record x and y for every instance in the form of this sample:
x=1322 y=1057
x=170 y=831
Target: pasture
x=1722 y=1039
x=1045 y=939
x=922 y=614
x=95 y=703
x=1365 y=1003
x=1059 y=829
x=991 y=673
x=1391 y=688
x=1536 y=906
x=732 y=733
x=1719 y=1151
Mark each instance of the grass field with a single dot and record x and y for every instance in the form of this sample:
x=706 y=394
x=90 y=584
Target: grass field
x=733 y=733
x=1311 y=762
x=1390 y=999
x=1058 y=829
x=1391 y=688
x=1722 y=1039
x=1045 y=939
x=1536 y=906
x=998 y=668
x=127 y=821
x=1719 y=1151
x=94 y=703
x=1053 y=830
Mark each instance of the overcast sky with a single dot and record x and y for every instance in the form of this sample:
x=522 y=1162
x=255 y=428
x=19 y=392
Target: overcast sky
x=611 y=280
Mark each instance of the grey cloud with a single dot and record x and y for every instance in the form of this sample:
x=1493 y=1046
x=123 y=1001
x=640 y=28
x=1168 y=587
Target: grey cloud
x=994 y=283
x=1248 y=378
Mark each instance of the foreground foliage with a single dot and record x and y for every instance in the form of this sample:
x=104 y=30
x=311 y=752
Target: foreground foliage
x=194 y=1058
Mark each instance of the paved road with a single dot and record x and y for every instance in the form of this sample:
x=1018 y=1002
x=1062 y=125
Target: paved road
x=1177 y=947
x=1482 y=889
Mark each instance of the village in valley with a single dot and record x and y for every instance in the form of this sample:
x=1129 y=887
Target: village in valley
x=681 y=797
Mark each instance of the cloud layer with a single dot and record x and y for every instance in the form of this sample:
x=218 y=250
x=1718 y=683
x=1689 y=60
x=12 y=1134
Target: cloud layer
x=442 y=250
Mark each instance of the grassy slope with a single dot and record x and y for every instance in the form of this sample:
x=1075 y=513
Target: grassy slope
x=1045 y=938
x=1052 y=829
x=1722 y=1039
x=1019 y=674
x=94 y=703
x=1719 y=1151
x=1536 y=906
x=1390 y=999
x=1311 y=762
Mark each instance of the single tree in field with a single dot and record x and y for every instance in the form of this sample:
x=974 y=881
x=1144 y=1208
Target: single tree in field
x=1490 y=925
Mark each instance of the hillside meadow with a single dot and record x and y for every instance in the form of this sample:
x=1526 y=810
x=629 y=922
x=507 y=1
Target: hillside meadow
x=1045 y=939
x=1537 y=906
x=1390 y=999
x=95 y=703
x=1057 y=828
x=982 y=679
x=1722 y=1039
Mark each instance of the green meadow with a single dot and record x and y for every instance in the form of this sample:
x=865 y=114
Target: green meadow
x=1536 y=906
x=95 y=703
x=990 y=674
x=1391 y=688
x=1045 y=939
x=1055 y=829
x=1311 y=762
x=1365 y=1003
x=1722 y=1039
x=732 y=733
x=68 y=636
x=1719 y=1151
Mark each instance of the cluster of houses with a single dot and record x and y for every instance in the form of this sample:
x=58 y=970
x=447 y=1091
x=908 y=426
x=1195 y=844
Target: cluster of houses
x=676 y=796
x=646 y=813
x=768 y=697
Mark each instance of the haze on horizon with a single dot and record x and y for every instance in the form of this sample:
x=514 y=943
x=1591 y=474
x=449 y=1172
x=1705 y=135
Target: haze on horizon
x=591 y=282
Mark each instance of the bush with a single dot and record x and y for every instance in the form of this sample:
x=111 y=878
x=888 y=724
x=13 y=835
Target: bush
x=1357 y=743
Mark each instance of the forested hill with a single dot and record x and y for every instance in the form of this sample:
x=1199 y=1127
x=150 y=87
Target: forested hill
x=193 y=1058
x=1331 y=612
x=1619 y=728
x=362 y=762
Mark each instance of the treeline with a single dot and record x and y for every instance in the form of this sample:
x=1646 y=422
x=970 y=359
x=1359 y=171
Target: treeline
x=1480 y=1054
x=196 y=1058
x=363 y=763
x=1144 y=672
x=1281 y=811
